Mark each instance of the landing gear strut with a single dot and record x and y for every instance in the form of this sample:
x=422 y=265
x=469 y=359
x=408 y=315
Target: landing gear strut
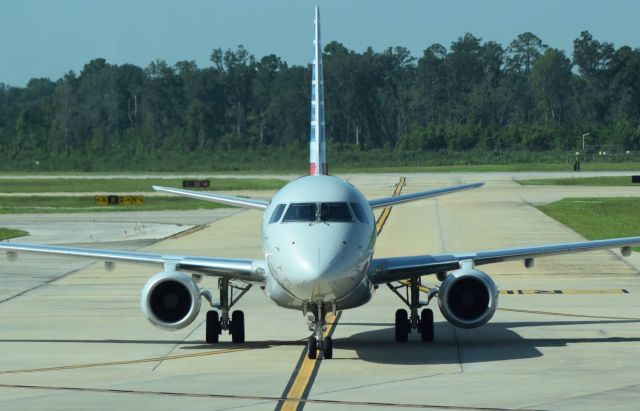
x=404 y=323
x=218 y=322
x=316 y=314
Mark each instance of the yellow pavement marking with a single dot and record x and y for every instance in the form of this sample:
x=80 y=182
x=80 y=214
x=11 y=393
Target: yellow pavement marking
x=295 y=395
x=384 y=216
x=600 y=317
x=296 y=392
x=567 y=291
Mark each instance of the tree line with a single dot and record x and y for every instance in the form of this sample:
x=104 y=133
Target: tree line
x=473 y=96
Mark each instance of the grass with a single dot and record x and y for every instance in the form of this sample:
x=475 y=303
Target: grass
x=120 y=185
x=581 y=181
x=53 y=204
x=598 y=218
x=7 y=233
x=481 y=168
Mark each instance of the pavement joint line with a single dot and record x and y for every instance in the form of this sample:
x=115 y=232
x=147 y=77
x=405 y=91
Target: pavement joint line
x=258 y=397
x=127 y=362
x=177 y=345
x=458 y=349
x=306 y=370
x=49 y=281
x=440 y=231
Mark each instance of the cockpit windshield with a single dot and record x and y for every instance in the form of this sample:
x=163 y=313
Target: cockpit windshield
x=318 y=212
x=335 y=212
x=300 y=212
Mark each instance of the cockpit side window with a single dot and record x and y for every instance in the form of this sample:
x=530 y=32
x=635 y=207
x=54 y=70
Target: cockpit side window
x=300 y=212
x=277 y=213
x=359 y=212
x=336 y=212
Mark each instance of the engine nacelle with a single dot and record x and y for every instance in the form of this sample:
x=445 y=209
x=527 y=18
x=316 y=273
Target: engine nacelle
x=170 y=300
x=468 y=298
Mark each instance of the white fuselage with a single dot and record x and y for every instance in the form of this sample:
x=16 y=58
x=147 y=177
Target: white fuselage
x=320 y=247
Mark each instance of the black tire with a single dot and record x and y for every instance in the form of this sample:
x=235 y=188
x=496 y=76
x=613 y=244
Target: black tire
x=426 y=325
x=212 y=327
x=402 y=325
x=312 y=348
x=237 y=326
x=328 y=348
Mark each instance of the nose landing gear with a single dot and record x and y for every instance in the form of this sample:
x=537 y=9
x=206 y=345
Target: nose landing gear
x=318 y=341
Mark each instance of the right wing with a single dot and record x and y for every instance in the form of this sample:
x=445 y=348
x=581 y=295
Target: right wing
x=231 y=268
x=216 y=198
x=384 y=270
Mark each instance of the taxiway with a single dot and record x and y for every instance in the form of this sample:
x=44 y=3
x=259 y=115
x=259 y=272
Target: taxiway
x=73 y=337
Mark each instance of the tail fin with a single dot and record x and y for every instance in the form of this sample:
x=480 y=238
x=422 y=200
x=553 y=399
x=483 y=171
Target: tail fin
x=317 y=154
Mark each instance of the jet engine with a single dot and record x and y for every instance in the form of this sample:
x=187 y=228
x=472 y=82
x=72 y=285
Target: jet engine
x=170 y=300
x=468 y=298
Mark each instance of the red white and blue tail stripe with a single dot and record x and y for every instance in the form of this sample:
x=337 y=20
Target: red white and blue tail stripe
x=317 y=155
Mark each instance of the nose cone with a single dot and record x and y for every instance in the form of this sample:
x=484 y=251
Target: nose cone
x=312 y=269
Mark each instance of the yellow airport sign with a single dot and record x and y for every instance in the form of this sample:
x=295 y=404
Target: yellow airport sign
x=119 y=200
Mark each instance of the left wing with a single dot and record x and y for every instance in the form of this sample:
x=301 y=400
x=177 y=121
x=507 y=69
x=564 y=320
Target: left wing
x=248 y=270
x=384 y=270
x=387 y=201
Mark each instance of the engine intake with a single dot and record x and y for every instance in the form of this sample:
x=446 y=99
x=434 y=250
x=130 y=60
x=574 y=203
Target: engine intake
x=170 y=300
x=468 y=298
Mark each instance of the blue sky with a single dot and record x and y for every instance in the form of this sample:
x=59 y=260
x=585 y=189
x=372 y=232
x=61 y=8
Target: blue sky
x=46 y=38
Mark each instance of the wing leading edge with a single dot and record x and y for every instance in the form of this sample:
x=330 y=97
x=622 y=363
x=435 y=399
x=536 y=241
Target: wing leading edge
x=387 y=201
x=383 y=270
x=247 y=270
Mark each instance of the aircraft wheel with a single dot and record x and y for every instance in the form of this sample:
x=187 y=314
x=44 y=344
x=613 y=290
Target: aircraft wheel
x=328 y=348
x=212 y=327
x=402 y=325
x=312 y=348
x=426 y=325
x=237 y=326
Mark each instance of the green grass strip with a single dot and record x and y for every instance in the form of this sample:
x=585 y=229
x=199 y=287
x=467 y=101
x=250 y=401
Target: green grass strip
x=482 y=168
x=582 y=181
x=598 y=218
x=80 y=204
x=7 y=233
x=127 y=185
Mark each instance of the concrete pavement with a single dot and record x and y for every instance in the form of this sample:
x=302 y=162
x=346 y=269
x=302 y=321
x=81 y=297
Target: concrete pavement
x=81 y=342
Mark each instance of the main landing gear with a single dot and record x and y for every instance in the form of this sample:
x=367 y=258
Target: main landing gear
x=216 y=323
x=316 y=314
x=404 y=323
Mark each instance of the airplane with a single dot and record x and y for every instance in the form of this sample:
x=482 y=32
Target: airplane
x=318 y=238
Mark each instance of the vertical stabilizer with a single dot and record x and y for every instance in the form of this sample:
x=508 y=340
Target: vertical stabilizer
x=317 y=155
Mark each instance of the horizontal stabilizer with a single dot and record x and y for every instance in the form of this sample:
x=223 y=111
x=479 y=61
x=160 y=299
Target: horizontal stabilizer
x=387 y=201
x=216 y=198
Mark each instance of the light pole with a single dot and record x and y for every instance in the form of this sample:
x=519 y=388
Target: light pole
x=583 y=136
